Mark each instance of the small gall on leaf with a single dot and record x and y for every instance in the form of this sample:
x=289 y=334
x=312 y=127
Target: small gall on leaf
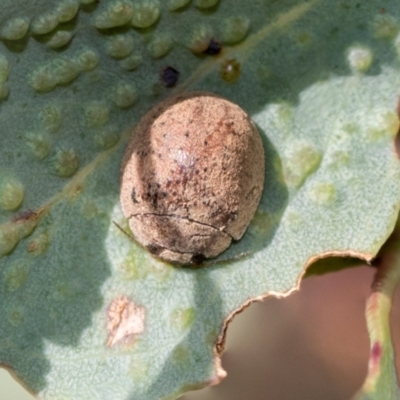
x=125 y=321
x=230 y=70
x=192 y=177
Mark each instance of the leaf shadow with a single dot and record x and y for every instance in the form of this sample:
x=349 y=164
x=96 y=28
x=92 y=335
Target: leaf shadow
x=188 y=355
x=47 y=300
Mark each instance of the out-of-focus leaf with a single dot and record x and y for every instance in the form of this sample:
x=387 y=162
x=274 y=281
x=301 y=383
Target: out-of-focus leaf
x=381 y=381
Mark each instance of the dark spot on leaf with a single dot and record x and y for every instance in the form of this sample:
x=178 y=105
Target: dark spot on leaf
x=214 y=47
x=169 y=76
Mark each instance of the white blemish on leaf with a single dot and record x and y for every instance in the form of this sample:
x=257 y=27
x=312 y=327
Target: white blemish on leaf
x=125 y=320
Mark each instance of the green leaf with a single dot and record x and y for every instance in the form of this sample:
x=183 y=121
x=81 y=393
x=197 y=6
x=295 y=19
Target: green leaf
x=88 y=314
x=381 y=381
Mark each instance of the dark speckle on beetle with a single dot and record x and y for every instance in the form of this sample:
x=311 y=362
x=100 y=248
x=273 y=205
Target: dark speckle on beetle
x=133 y=196
x=153 y=249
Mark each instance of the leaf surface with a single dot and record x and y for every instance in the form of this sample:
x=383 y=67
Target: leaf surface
x=87 y=313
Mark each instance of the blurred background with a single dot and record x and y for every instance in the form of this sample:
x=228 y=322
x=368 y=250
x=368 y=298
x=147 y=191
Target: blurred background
x=311 y=345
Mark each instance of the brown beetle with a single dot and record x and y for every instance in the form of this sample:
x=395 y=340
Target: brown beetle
x=192 y=177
